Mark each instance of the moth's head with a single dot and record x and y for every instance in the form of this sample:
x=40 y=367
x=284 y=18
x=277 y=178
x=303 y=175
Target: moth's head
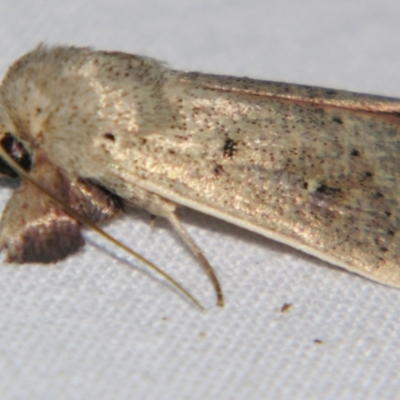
x=12 y=146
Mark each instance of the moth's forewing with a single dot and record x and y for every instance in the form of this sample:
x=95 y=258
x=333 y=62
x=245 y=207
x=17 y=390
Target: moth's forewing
x=317 y=169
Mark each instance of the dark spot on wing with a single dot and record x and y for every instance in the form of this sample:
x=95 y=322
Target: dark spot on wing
x=330 y=191
x=337 y=120
x=229 y=147
x=218 y=170
x=109 y=136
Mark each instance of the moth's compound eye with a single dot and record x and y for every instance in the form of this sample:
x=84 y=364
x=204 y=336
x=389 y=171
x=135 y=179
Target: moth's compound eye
x=18 y=152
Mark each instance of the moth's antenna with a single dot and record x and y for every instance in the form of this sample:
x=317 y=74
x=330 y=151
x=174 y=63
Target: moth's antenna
x=85 y=221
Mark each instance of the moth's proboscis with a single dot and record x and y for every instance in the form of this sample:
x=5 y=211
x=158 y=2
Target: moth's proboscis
x=317 y=169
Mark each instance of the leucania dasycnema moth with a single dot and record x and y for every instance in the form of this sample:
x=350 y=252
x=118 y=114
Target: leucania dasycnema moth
x=91 y=131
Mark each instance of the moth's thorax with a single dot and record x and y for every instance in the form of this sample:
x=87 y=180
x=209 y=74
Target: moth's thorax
x=78 y=105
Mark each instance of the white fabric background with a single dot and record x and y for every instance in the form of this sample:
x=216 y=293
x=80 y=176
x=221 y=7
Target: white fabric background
x=93 y=327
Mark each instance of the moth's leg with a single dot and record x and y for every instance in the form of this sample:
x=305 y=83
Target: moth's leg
x=196 y=251
x=161 y=207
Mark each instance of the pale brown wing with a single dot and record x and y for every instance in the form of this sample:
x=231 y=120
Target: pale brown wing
x=314 y=168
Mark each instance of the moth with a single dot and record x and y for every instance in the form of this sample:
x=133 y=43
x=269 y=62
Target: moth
x=93 y=131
